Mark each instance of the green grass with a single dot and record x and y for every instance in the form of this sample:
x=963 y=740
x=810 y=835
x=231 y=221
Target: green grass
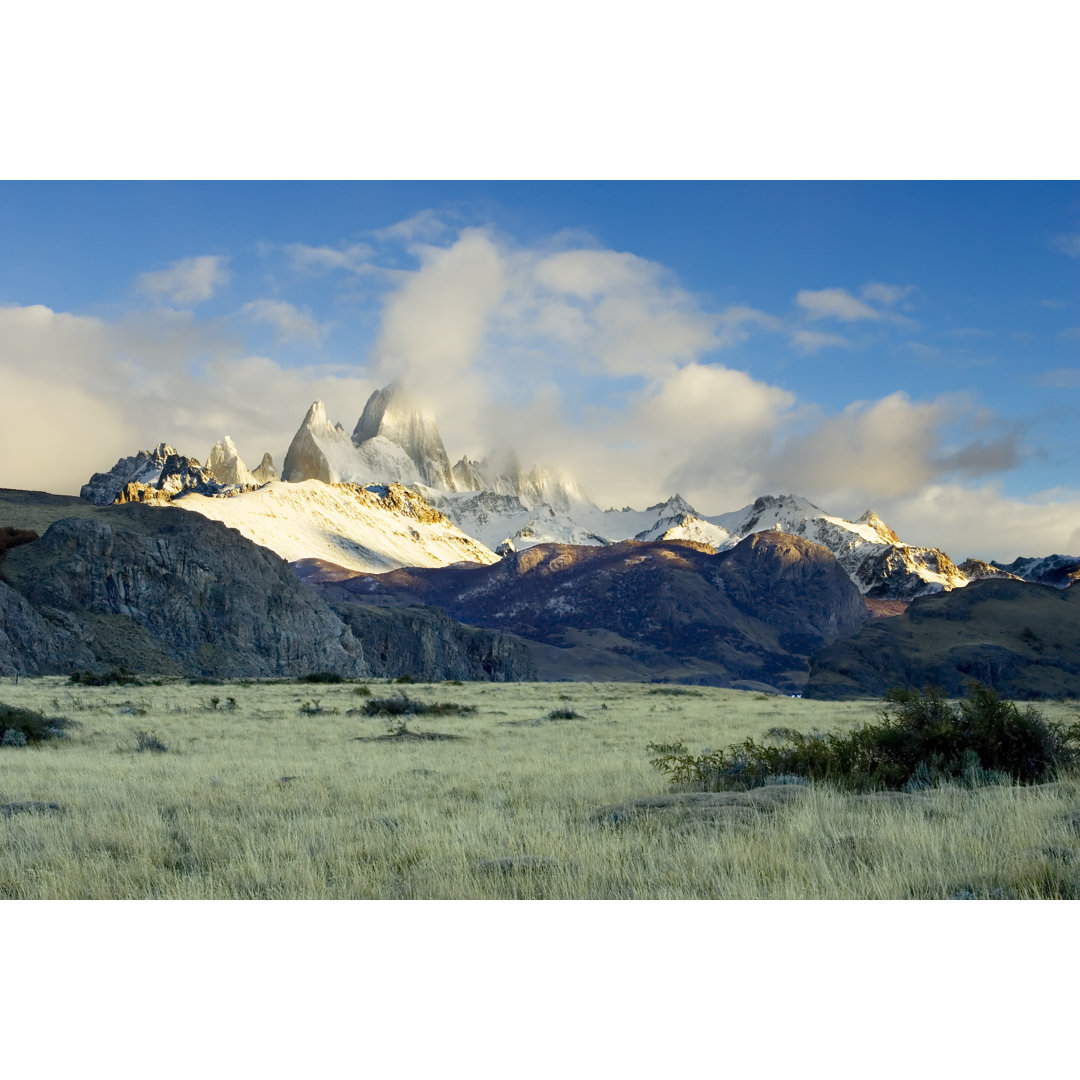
x=264 y=801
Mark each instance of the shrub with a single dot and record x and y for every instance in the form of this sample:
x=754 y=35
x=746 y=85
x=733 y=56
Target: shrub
x=321 y=677
x=18 y=726
x=148 y=741
x=116 y=677
x=403 y=705
x=921 y=741
x=563 y=714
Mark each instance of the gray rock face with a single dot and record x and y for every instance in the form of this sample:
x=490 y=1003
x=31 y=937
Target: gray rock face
x=305 y=459
x=390 y=414
x=426 y=644
x=162 y=590
x=32 y=644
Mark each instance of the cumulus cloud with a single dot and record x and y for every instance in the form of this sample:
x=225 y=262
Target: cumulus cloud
x=289 y=322
x=889 y=448
x=834 y=304
x=114 y=388
x=981 y=522
x=186 y=282
x=433 y=326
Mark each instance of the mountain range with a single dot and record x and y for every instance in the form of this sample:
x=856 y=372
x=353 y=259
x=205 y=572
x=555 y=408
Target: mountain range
x=408 y=564
x=476 y=510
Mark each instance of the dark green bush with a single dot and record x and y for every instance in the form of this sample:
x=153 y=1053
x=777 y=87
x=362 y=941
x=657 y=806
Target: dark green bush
x=922 y=740
x=403 y=705
x=321 y=677
x=116 y=677
x=563 y=714
x=21 y=726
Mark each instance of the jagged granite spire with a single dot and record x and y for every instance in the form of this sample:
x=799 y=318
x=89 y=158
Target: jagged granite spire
x=392 y=415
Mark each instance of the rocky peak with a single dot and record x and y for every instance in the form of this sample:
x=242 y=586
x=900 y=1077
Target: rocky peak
x=225 y=463
x=879 y=526
x=266 y=472
x=392 y=415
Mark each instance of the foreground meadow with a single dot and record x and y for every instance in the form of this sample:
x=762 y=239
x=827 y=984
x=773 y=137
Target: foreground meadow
x=287 y=790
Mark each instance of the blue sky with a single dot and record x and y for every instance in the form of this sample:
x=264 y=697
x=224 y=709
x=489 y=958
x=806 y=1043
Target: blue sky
x=914 y=347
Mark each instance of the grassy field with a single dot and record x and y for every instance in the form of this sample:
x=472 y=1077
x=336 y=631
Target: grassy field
x=287 y=790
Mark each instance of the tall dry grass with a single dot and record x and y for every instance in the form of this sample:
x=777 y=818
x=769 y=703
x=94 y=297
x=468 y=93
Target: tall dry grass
x=291 y=794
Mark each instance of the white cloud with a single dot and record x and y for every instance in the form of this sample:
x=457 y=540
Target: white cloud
x=354 y=258
x=886 y=449
x=290 y=323
x=426 y=225
x=980 y=522
x=809 y=341
x=187 y=281
x=1069 y=244
x=433 y=326
x=879 y=292
x=115 y=388
x=834 y=304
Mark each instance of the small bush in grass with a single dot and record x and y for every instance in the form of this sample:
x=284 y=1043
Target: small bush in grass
x=362 y=691
x=921 y=741
x=321 y=677
x=148 y=741
x=14 y=737
x=563 y=714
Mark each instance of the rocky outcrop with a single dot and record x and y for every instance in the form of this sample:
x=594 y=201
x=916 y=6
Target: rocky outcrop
x=426 y=644
x=159 y=590
x=142 y=468
x=151 y=476
x=1018 y=637
x=31 y=643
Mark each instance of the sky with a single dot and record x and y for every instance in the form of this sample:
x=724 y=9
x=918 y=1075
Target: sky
x=913 y=347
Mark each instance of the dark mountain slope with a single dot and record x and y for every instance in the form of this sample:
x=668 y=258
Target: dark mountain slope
x=162 y=591
x=1020 y=638
x=632 y=610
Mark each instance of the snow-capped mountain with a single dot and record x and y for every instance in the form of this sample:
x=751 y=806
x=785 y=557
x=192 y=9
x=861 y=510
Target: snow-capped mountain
x=1057 y=570
x=156 y=474
x=875 y=558
x=369 y=529
x=495 y=504
x=394 y=441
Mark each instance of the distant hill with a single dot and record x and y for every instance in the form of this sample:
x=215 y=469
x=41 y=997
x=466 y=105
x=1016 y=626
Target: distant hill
x=749 y=617
x=1021 y=638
